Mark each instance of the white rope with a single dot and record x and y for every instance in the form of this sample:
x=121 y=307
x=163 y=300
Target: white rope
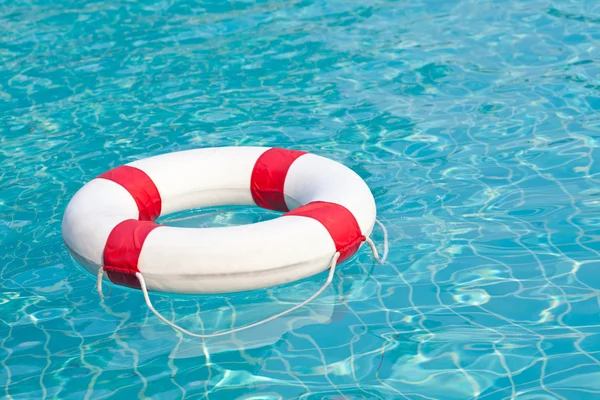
x=332 y=266
x=381 y=259
x=99 y=282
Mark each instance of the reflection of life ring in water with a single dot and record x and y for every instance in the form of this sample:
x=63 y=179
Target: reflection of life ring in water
x=109 y=223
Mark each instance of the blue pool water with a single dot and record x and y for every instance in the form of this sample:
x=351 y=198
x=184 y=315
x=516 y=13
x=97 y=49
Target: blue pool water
x=474 y=122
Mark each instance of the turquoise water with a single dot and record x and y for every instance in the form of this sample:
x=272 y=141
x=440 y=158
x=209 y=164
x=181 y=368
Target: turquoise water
x=475 y=124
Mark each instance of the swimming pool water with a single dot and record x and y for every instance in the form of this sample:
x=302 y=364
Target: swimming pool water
x=475 y=124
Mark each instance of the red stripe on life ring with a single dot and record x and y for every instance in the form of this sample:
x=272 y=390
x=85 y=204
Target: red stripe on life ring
x=123 y=248
x=339 y=222
x=268 y=177
x=140 y=186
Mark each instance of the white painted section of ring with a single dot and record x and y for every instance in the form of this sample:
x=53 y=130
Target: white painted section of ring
x=91 y=215
x=202 y=177
x=316 y=178
x=236 y=258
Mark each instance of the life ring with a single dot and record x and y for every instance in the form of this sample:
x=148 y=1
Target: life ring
x=329 y=212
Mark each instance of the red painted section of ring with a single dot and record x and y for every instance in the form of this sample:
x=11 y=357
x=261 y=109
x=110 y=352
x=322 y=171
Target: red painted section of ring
x=141 y=188
x=123 y=248
x=268 y=177
x=339 y=222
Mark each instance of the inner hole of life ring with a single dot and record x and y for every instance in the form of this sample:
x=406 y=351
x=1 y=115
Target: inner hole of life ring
x=218 y=216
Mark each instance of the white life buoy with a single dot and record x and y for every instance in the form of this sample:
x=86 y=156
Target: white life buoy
x=109 y=223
